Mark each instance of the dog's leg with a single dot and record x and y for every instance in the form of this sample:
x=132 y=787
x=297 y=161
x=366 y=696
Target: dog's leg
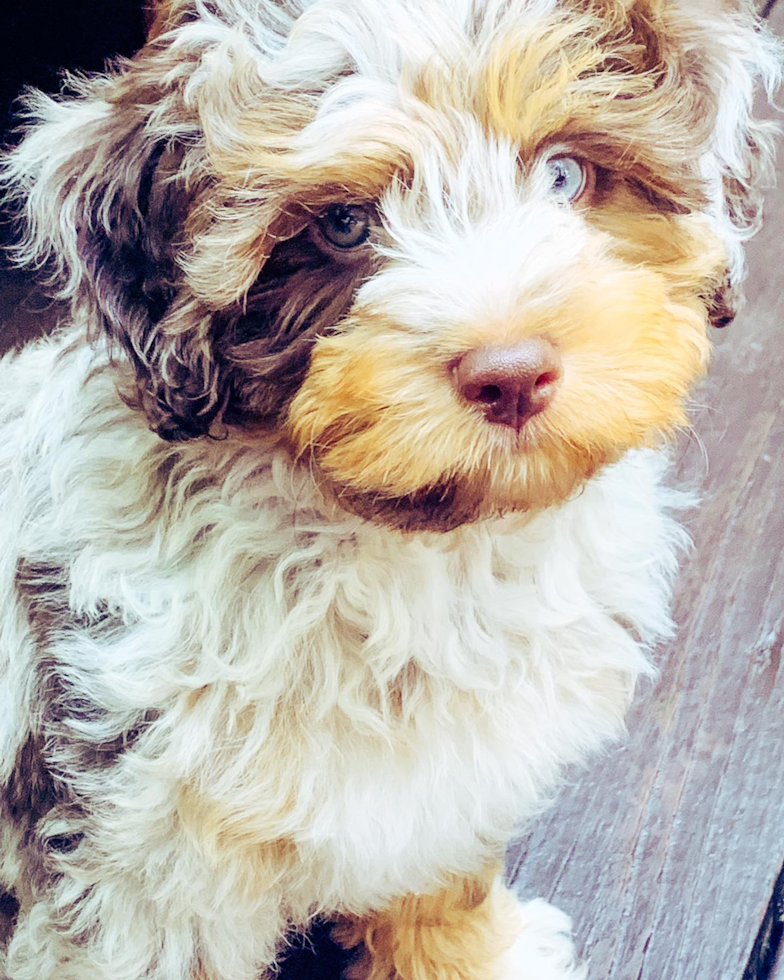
x=474 y=929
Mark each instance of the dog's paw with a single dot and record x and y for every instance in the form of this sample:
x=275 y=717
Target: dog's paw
x=544 y=949
x=499 y=939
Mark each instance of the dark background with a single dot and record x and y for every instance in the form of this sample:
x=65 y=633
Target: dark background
x=42 y=38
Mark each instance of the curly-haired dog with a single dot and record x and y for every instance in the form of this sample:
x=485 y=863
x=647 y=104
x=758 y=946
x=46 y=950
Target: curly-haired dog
x=332 y=524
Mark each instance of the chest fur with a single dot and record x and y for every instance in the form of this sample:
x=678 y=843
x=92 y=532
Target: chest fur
x=318 y=684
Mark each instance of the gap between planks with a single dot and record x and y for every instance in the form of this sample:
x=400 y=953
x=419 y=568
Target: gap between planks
x=764 y=955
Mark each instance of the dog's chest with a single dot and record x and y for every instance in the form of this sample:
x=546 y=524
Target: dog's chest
x=427 y=699
x=390 y=819
x=372 y=709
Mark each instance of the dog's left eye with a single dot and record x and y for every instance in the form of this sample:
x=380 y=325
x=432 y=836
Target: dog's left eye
x=568 y=177
x=345 y=225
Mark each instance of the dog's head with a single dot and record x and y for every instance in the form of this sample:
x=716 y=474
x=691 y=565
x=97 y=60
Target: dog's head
x=462 y=252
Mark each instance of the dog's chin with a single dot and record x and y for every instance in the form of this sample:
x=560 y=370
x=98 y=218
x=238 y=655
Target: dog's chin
x=439 y=508
x=509 y=483
x=448 y=505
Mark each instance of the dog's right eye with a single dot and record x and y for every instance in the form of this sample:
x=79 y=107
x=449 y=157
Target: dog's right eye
x=345 y=225
x=570 y=178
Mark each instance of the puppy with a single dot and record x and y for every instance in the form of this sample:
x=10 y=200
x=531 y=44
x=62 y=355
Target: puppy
x=332 y=521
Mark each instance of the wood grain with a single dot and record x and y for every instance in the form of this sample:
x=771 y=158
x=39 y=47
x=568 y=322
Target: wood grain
x=666 y=853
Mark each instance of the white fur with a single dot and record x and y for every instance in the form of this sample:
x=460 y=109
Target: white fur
x=508 y=634
x=544 y=950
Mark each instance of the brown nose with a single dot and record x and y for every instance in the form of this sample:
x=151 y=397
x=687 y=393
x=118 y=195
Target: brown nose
x=510 y=384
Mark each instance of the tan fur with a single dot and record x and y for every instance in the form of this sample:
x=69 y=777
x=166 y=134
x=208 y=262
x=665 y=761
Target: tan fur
x=633 y=340
x=460 y=932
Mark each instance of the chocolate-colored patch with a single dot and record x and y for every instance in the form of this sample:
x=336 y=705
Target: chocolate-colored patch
x=42 y=588
x=9 y=909
x=67 y=708
x=31 y=792
x=265 y=344
x=129 y=254
x=50 y=793
x=440 y=508
x=72 y=719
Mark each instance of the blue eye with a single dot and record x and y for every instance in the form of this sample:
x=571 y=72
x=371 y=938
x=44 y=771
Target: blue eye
x=568 y=177
x=345 y=225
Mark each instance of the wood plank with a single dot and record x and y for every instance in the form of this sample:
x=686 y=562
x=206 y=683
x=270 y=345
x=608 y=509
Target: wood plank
x=767 y=957
x=667 y=852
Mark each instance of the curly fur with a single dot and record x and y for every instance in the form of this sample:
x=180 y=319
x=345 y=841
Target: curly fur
x=287 y=629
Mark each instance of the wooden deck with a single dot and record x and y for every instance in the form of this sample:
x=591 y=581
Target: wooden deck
x=668 y=852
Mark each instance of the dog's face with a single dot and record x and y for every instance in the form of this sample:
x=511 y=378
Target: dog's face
x=462 y=253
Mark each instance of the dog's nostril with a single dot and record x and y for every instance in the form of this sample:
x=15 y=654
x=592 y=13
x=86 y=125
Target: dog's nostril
x=509 y=384
x=489 y=394
x=548 y=378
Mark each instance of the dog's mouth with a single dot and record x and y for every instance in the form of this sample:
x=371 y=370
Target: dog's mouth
x=439 y=508
x=519 y=483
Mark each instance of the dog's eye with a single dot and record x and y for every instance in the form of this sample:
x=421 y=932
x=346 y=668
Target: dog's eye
x=345 y=225
x=568 y=177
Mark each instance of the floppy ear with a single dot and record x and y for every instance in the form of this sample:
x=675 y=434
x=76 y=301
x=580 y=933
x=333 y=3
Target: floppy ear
x=729 y=55
x=715 y=56
x=108 y=183
x=100 y=184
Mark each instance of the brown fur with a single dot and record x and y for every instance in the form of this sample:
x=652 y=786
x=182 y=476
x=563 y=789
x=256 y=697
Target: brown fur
x=458 y=933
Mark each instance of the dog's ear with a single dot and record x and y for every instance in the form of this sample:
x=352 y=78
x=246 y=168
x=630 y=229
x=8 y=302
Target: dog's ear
x=736 y=59
x=132 y=202
x=725 y=56
x=116 y=195
x=101 y=200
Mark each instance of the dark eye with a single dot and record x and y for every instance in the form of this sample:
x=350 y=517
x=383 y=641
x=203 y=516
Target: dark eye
x=568 y=177
x=345 y=225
